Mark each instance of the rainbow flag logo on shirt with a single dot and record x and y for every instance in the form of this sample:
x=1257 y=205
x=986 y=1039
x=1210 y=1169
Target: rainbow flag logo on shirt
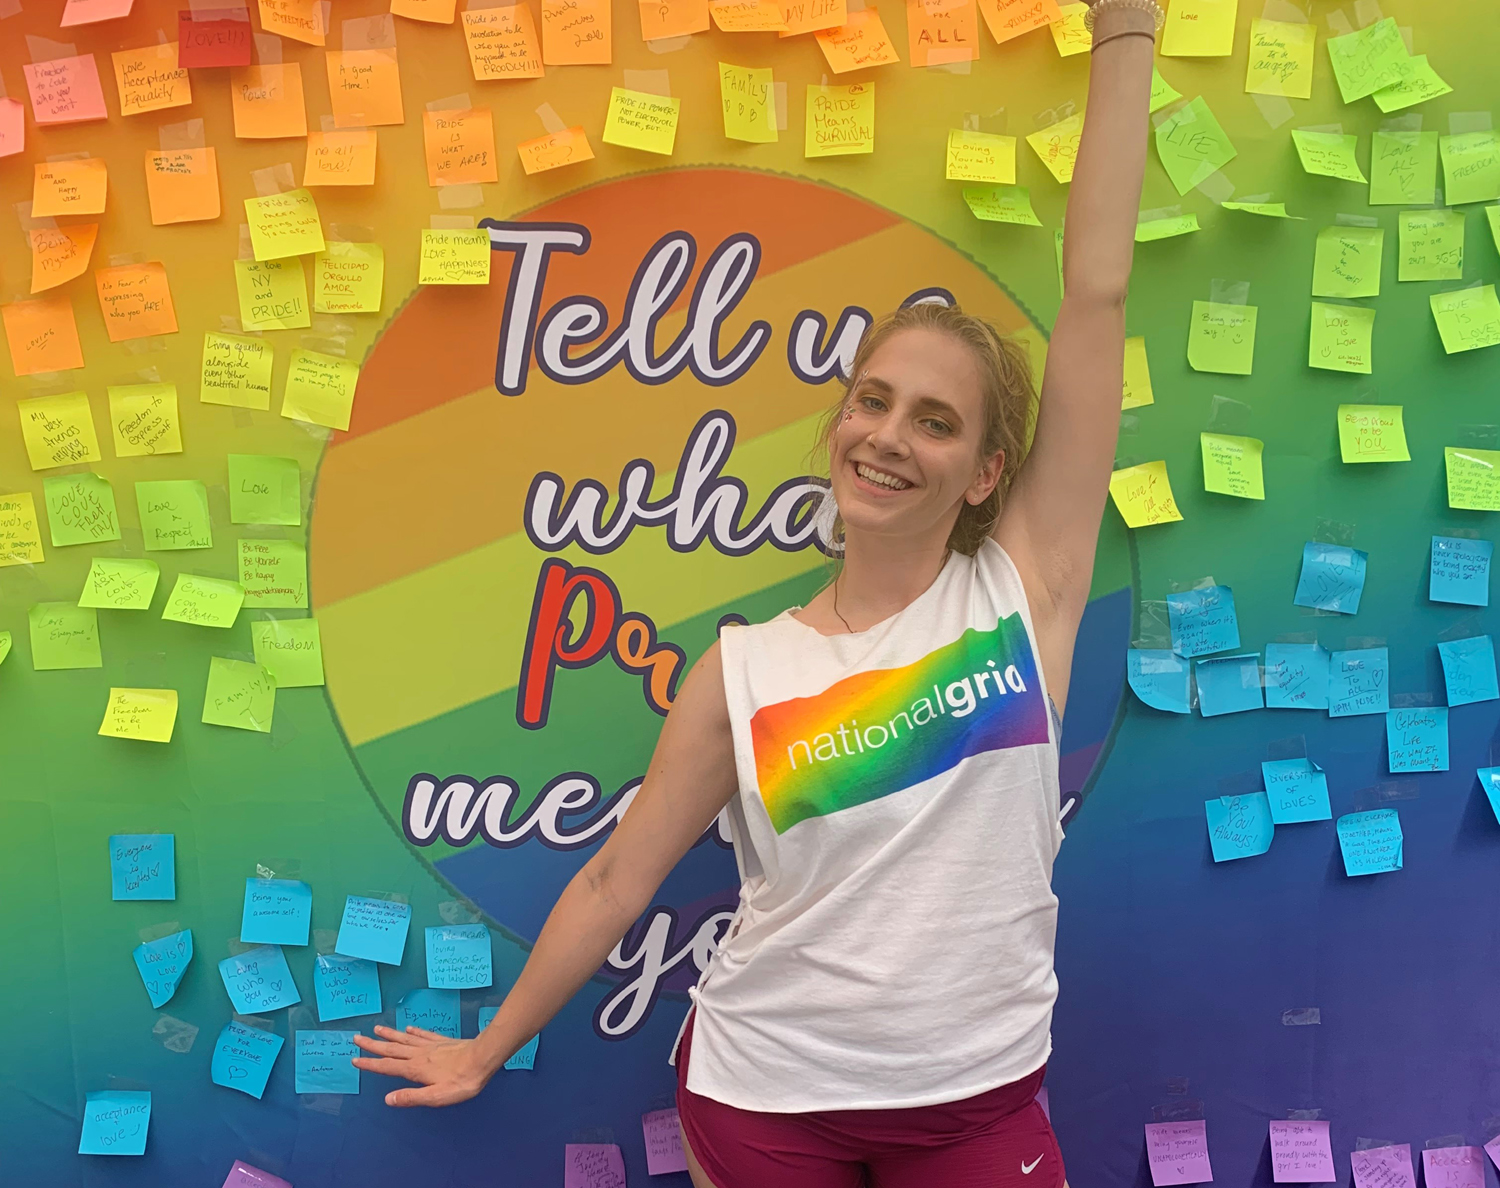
x=875 y=733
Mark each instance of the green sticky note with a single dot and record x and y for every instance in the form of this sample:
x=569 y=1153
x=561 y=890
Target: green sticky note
x=1493 y=214
x=1372 y=433
x=1471 y=167
x=1057 y=245
x=1001 y=204
x=1328 y=154
x=1403 y=168
x=1269 y=210
x=120 y=583
x=1422 y=85
x=1192 y=145
x=64 y=636
x=1232 y=466
x=1222 y=338
x=5 y=642
x=1467 y=319
x=291 y=650
x=1162 y=92
x=174 y=515
x=1153 y=229
x=264 y=490
x=236 y=370
x=81 y=509
x=1346 y=262
x=274 y=573
x=204 y=601
x=1342 y=338
x=1432 y=245
x=239 y=694
x=1369 y=59
x=1473 y=478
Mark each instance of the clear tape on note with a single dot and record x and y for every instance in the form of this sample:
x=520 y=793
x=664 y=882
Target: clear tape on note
x=1190 y=1110
x=331 y=325
x=1292 y=747
x=1345 y=219
x=240 y=418
x=1460 y=122
x=371 y=32
x=8 y=9
x=464 y=196
x=1411 y=122
x=593 y=1134
x=1339 y=24
x=349 y=233
x=1334 y=532
x=267 y=49
x=336 y=346
x=1303 y=1115
x=78 y=155
x=1232 y=418
x=156 y=931
x=649 y=82
x=1372 y=1144
x=1479 y=437
x=1284 y=10
x=30 y=223
x=1158 y=213
x=1469 y=626
x=325 y=941
x=1444 y=1140
x=457 y=911
x=273 y=179
x=778 y=98
x=1275 y=110
x=439 y=222
x=324 y=1103
x=234 y=946
x=1177 y=1086
x=1200 y=583
x=1420 y=700
x=1153 y=627
x=1302 y=1017
x=1052 y=115
x=450 y=103
x=1228 y=292
x=145 y=346
x=1383 y=794
x=550 y=119
x=246 y=248
x=279 y=868
x=1241 y=783
x=43 y=49
x=388 y=896
x=186 y=134
x=174 y=1034
x=1368 y=12
x=669 y=45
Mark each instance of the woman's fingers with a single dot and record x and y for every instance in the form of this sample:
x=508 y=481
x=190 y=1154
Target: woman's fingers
x=428 y=1095
x=389 y=1033
x=380 y=1049
x=385 y=1066
x=426 y=1035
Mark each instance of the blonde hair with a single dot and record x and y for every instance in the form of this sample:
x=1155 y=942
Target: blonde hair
x=1007 y=396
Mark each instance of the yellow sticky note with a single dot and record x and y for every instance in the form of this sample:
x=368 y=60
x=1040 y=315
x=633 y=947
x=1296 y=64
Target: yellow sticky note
x=577 y=32
x=302 y=20
x=1008 y=19
x=1001 y=204
x=1150 y=230
x=749 y=103
x=340 y=158
x=274 y=573
x=1372 y=433
x=1346 y=262
x=204 y=601
x=840 y=120
x=1467 y=319
x=1432 y=245
x=150 y=79
x=136 y=301
x=58 y=430
x=284 y=225
x=236 y=371
x=981 y=157
x=454 y=256
x=1281 y=59
x=940 y=32
x=1069 y=33
x=1222 y=338
x=364 y=88
x=1328 y=154
x=1232 y=466
x=434 y=12
x=42 y=335
x=267 y=101
x=1057 y=146
x=1137 y=375
x=641 y=121
x=182 y=185
x=146 y=715
x=69 y=187
x=1162 y=92
x=859 y=43
x=58 y=254
x=1473 y=478
x=459 y=146
x=144 y=420
x=20 y=536
x=272 y=293
x=348 y=278
x=1143 y=495
x=503 y=42
x=320 y=389
x=1199 y=29
x=1342 y=338
x=554 y=150
x=747 y=16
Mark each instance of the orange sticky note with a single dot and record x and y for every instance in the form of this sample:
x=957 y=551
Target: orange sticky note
x=747 y=16
x=268 y=101
x=503 y=42
x=364 y=87
x=808 y=16
x=861 y=43
x=1011 y=18
x=59 y=254
x=69 y=187
x=150 y=79
x=942 y=31
x=301 y=20
x=42 y=335
x=672 y=18
x=12 y=127
x=555 y=150
x=460 y=146
x=577 y=33
x=91 y=12
x=182 y=185
x=434 y=12
x=136 y=301
x=65 y=90
x=344 y=158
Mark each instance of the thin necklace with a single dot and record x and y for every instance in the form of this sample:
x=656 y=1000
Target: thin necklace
x=843 y=620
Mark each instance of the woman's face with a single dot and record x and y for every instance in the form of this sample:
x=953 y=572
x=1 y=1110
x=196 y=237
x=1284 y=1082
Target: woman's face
x=905 y=457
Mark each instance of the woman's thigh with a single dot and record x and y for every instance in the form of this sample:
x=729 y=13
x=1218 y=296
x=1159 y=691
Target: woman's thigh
x=732 y=1148
x=1016 y=1151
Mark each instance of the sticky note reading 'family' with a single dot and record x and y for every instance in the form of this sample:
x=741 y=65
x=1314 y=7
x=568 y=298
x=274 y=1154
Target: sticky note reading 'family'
x=1239 y=826
x=120 y=583
x=1143 y=495
x=1359 y=682
x=147 y=715
x=1383 y=1167
x=1300 y=1152
x=258 y=980
x=1460 y=571
x=1203 y=621
x=1469 y=669
x=1370 y=842
x=161 y=963
x=1297 y=790
x=277 y=912
x=662 y=1130
x=593 y=1165
x=323 y=1062
x=1229 y=685
x=1161 y=679
x=749 y=98
x=243 y=1058
x=1178 y=1153
x=143 y=866
x=1332 y=579
x=240 y=695
x=458 y=957
x=345 y=987
x=374 y=929
x=115 y=1122
x=1296 y=676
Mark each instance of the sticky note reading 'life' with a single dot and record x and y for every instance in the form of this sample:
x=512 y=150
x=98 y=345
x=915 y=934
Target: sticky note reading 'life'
x=1161 y=679
x=1467 y=319
x=1178 y=1153
x=64 y=636
x=593 y=1165
x=1341 y=338
x=120 y=583
x=1229 y=685
x=1370 y=842
x=236 y=370
x=1300 y=1152
x=458 y=957
x=276 y=912
x=1297 y=790
x=1359 y=682
x=345 y=987
x=161 y=964
x=1460 y=571
x=1143 y=495
x=1469 y=670
x=1383 y=1167
x=146 y=715
x=323 y=1062
x=1203 y=621
x=454 y=256
x=1232 y=465
x=1193 y=146
x=1473 y=478
x=840 y=120
x=1332 y=578
x=243 y=1058
x=1221 y=338
x=1372 y=433
x=374 y=929
x=115 y=1122
x=662 y=1130
x=143 y=866
x=258 y=980
x=1239 y=826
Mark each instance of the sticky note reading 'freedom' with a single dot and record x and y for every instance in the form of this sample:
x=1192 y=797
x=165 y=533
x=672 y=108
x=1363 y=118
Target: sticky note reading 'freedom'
x=1239 y=826
x=458 y=957
x=1460 y=571
x=374 y=929
x=345 y=987
x=1161 y=679
x=1178 y=1153
x=243 y=1058
x=276 y=912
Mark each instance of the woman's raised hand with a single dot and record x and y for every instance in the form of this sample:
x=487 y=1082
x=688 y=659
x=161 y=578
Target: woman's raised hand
x=448 y=1070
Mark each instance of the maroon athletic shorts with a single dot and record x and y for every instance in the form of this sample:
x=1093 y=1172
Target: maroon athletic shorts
x=999 y=1139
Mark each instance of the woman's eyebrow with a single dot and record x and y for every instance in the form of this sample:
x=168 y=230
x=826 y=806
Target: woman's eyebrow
x=942 y=406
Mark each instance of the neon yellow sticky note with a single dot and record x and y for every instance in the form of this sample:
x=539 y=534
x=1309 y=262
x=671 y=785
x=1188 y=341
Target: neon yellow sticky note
x=1199 y=29
x=58 y=430
x=240 y=695
x=1493 y=214
x=1167 y=228
x=992 y=204
x=1432 y=245
x=1222 y=338
x=1328 y=154
x=144 y=420
x=1372 y=433
x=274 y=573
x=981 y=157
x=840 y=120
x=146 y=715
x=454 y=256
x=1342 y=338
x=80 y=509
x=20 y=535
x=1137 y=375
x=1069 y=33
x=1143 y=495
x=284 y=225
x=749 y=97
x=1467 y=319
x=120 y=583
x=1346 y=262
x=320 y=389
x=1057 y=146
x=348 y=277
x=1403 y=168
x=204 y=601
x=291 y=650
x=64 y=636
x=1424 y=84
x=1281 y=59
x=236 y=370
x=1162 y=92
x=1267 y=210
x=5 y=645
x=1232 y=465
x=1471 y=167
x=1473 y=478
x=273 y=294
x=641 y=121
x=1193 y=146
x=1370 y=58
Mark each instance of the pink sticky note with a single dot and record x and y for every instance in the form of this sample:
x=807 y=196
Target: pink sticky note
x=221 y=37
x=1492 y=1149
x=1178 y=1152
x=593 y=1165
x=663 y=1143
x=242 y=1175
x=1300 y=1153
x=1043 y=1101
x=12 y=127
x=1453 y=1167
x=89 y=12
x=1384 y=1167
x=65 y=90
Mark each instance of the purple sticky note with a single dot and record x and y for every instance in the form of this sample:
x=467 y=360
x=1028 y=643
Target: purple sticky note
x=1384 y=1167
x=1453 y=1167
x=242 y=1175
x=663 y=1143
x=1300 y=1153
x=1492 y=1149
x=1042 y=1100
x=1178 y=1152
x=593 y=1165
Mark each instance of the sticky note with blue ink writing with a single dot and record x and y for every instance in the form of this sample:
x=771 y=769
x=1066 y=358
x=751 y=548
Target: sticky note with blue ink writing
x=1469 y=670
x=458 y=957
x=258 y=980
x=1203 y=621
x=323 y=1062
x=1239 y=826
x=1297 y=790
x=1370 y=842
x=345 y=987
x=143 y=866
x=1489 y=780
x=525 y=1057
x=1229 y=685
x=1359 y=682
x=374 y=929
x=243 y=1058
x=1161 y=679
x=1296 y=676
x=1460 y=571
x=1417 y=739
x=431 y=1010
x=115 y=1122
x=1333 y=578
x=162 y=962
x=277 y=912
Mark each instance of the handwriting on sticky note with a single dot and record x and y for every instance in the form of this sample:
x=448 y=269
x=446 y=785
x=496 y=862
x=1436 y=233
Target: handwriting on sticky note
x=144 y=714
x=272 y=294
x=364 y=88
x=120 y=583
x=267 y=101
x=80 y=510
x=264 y=489
x=662 y=1130
x=981 y=157
x=348 y=278
x=460 y=146
x=1199 y=29
x=1370 y=842
x=58 y=430
x=747 y=16
x=1467 y=319
x=208 y=602
x=641 y=121
x=1232 y=465
x=678 y=18
x=1432 y=245
x=1001 y=204
x=1298 y=791
x=63 y=636
x=1168 y=228
x=243 y=1058
x=1471 y=167
x=939 y=32
x=374 y=929
x=801 y=16
x=151 y=79
x=1161 y=679
x=1222 y=338
x=345 y=987
x=593 y=1165
x=1069 y=34
x=76 y=187
x=1143 y=495
x=143 y=865
x=1359 y=682
x=1281 y=59
x=577 y=32
x=274 y=573
x=65 y=90
x=454 y=256
x=1238 y=826
x=431 y=1010
x=749 y=103
x=1422 y=84
x=1460 y=571
x=320 y=389
x=503 y=42
x=323 y=1062
x=840 y=120
x=1346 y=262
x=291 y=650
x=1328 y=154
x=258 y=980
x=1332 y=578
x=240 y=695
x=20 y=537
x=1193 y=146
x=182 y=185
x=1342 y=338
x=860 y=43
x=276 y=912
x=1369 y=59
x=1178 y=1153
x=236 y=370
x=1469 y=669
x=144 y=420
x=1009 y=19
x=343 y=157
x=58 y=254
x=555 y=150
x=213 y=38
x=1372 y=433
x=1300 y=1152
x=1057 y=146
x=1473 y=478
x=136 y=301
x=115 y=1122
x=1453 y=1167
x=161 y=964
x=284 y=225
x=1203 y=621
x=1403 y=168
x=458 y=957
x=174 y=514
x=1383 y=1167
x=301 y=20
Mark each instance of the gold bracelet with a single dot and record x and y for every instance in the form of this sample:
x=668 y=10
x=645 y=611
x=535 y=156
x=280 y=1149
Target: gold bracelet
x=1150 y=7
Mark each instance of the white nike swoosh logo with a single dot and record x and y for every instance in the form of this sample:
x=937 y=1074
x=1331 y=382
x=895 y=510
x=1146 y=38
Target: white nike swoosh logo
x=1025 y=1170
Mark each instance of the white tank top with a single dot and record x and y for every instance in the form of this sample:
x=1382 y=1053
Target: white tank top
x=895 y=826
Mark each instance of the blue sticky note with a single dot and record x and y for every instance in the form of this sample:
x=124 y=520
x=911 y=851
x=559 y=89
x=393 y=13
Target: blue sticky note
x=1469 y=670
x=243 y=1057
x=345 y=987
x=1460 y=571
x=458 y=957
x=277 y=912
x=162 y=963
x=1239 y=826
x=1370 y=842
x=143 y=866
x=1161 y=679
x=487 y=1014
x=1489 y=780
x=374 y=929
x=1333 y=578
x=525 y=1056
x=1297 y=790
x=1417 y=739
x=1296 y=676
x=1359 y=682
x=323 y=1062
x=259 y=981
x=1229 y=685
x=1203 y=621
x=431 y=1010
x=115 y=1122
